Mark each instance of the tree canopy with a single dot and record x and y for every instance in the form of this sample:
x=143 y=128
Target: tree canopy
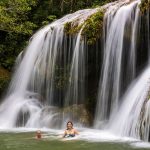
x=14 y=16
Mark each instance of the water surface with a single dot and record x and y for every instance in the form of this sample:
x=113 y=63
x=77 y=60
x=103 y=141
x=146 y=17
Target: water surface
x=53 y=141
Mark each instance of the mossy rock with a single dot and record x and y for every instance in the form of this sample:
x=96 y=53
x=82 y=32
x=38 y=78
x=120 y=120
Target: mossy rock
x=71 y=28
x=92 y=27
x=144 y=6
x=78 y=113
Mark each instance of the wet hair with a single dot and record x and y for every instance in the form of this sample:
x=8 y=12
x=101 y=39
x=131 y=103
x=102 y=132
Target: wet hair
x=38 y=131
x=38 y=134
x=69 y=122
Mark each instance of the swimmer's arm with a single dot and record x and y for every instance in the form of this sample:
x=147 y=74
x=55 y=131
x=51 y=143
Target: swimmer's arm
x=76 y=132
x=65 y=133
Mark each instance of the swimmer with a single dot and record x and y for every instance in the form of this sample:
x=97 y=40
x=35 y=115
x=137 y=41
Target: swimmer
x=70 y=131
x=38 y=134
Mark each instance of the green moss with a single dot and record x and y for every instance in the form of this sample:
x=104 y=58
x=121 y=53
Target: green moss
x=67 y=27
x=144 y=6
x=92 y=30
x=93 y=27
x=72 y=29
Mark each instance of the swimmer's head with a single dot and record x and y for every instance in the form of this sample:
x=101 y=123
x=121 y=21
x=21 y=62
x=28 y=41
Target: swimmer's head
x=38 y=131
x=38 y=134
x=69 y=125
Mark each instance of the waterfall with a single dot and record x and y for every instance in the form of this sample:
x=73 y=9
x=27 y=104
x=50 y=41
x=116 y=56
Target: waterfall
x=127 y=120
x=118 y=43
x=133 y=117
x=75 y=89
x=49 y=85
x=126 y=114
x=51 y=60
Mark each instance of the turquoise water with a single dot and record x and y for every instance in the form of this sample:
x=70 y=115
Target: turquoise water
x=27 y=141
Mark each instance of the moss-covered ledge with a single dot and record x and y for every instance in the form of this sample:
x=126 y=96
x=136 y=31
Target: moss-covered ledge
x=92 y=27
x=144 y=6
x=72 y=29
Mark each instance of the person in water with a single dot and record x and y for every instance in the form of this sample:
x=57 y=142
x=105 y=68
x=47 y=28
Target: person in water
x=38 y=134
x=70 y=131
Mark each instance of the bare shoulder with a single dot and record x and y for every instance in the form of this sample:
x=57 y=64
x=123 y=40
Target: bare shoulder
x=66 y=131
x=76 y=132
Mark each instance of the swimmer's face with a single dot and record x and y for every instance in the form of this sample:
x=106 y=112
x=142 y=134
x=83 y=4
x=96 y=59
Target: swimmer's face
x=38 y=132
x=69 y=125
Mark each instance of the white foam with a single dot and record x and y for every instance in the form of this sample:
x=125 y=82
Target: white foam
x=141 y=145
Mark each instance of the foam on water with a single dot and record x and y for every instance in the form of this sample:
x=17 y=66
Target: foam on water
x=140 y=145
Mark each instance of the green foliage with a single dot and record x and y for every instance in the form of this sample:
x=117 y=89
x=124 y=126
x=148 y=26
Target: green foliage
x=43 y=14
x=49 y=19
x=98 y=3
x=67 y=6
x=15 y=29
x=13 y=16
x=144 y=6
x=10 y=46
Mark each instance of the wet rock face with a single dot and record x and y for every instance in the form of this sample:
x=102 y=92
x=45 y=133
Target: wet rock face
x=144 y=120
x=144 y=130
x=78 y=113
x=143 y=58
x=4 y=79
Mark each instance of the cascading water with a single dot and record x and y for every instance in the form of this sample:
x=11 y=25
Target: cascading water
x=33 y=98
x=54 y=60
x=133 y=117
x=118 y=43
x=77 y=72
x=127 y=120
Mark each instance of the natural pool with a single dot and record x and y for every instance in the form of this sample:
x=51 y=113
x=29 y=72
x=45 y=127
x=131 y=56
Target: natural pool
x=52 y=141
